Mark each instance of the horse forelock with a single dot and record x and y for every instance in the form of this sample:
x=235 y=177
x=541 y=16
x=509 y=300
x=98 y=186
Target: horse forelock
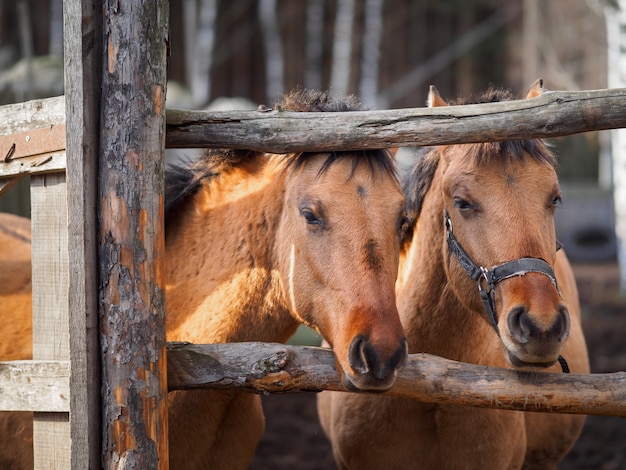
x=379 y=161
x=183 y=181
x=300 y=100
x=416 y=182
x=486 y=152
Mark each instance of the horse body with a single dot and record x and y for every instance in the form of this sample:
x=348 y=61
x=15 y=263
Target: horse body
x=289 y=266
x=500 y=209
x=16 y=451
x=255 y=245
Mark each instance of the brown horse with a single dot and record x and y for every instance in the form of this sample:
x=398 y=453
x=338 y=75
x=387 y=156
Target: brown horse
x=16 y=441
x=473 y=205
x=258 y=243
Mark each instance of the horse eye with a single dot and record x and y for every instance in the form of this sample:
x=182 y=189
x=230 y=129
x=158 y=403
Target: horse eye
x=310 y=217
x=556 y=200
x=462 y=204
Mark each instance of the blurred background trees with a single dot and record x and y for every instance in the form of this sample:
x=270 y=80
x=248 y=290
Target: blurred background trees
x=386 y=51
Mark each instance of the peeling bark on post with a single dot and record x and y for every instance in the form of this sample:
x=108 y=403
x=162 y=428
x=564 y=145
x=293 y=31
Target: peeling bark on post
x=132 y=314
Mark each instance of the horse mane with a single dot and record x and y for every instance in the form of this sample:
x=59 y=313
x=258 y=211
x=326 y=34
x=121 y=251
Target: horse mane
x=417 y=181
x=184 y=180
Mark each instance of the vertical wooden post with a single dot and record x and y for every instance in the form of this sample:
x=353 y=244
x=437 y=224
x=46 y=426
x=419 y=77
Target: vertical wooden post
x=82 y=30
x=132 y=316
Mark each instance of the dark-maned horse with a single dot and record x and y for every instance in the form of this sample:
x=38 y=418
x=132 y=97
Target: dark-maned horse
x=258 y=243
x=480 y=281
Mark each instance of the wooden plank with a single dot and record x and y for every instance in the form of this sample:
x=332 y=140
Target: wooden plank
x=82 y=31
x=279 y=368
x=35 y=114
x=549 y=115
x=51 y=433
x=35 y=386
x=132 y=244
x=32 y=142
x=32 y=165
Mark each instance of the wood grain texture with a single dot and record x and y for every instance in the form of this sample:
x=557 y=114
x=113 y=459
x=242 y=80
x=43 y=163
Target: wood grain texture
x=51 y=432
x=549 y=115
x=131 y=238
x=82 y=31
x=279 y=368
x=35 y=386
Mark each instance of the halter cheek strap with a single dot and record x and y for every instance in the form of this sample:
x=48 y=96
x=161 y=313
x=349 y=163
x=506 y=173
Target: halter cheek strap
x=487 y=279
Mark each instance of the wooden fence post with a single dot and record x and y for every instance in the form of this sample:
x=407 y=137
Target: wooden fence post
x=82 y=30
x=131 y=168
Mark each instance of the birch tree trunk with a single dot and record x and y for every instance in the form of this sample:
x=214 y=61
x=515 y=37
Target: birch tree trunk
x=200 y=25
x=274 y=63
x=615 y=13
x=314 y=44
x=56 y=28
x=342 y=48
x=372 y=33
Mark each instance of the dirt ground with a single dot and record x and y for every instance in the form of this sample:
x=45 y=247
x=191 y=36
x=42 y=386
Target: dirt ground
x=294 y=439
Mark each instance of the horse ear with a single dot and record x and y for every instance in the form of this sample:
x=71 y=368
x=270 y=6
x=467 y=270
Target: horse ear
x=393 y=151
x=536 y=89
x=434 y=98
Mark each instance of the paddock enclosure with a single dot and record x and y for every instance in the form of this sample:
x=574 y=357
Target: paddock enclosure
x=96 y=153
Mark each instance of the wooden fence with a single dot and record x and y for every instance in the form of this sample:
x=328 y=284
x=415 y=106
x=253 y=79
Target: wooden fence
x=32 y=143
x=64 y=146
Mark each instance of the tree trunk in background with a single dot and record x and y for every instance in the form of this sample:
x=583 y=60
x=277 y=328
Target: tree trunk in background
x=314 y=44
x=200 y=28
x=26 y=39
x=372 y=32
x=342 y=48
x=615 y=13
x=531 y=41
x=274 y=64
x=55 y=48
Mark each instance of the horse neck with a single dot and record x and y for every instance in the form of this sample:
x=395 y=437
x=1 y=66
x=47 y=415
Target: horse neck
x=432 y=314
x=221 y=282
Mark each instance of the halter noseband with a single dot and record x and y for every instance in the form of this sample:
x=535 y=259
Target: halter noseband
x=489 y=278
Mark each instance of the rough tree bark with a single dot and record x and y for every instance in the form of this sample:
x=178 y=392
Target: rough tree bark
x=131 y=168
x=549 y=115
x=267 y=367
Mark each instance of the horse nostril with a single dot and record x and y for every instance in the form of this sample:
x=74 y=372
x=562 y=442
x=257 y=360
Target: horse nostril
x=520 y=325
x=561 y=325
x=365 y=359
x=356 y=355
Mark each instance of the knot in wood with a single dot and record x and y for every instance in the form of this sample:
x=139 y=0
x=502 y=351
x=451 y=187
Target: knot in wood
x=270 y=365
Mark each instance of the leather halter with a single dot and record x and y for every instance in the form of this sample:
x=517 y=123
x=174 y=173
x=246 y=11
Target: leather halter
x=487 y=279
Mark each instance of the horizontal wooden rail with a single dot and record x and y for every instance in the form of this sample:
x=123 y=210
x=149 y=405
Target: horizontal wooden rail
x=35 y=386
x=549 y=115
x=267 y=367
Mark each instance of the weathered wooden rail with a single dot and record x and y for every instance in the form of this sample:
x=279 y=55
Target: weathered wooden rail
x=276 y=368
x=32 y=142
x=553 y=114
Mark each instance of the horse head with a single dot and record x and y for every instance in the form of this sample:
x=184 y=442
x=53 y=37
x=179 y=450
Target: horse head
x=339 y=239
x=499 y=201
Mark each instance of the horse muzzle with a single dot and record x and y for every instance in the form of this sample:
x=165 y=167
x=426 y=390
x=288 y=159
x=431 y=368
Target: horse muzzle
x=371 y=369
x=529 y=344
